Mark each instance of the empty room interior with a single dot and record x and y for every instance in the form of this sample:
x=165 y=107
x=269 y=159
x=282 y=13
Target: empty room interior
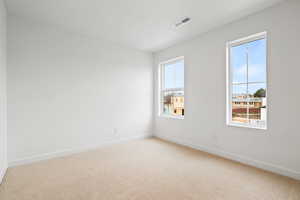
x=149 y=100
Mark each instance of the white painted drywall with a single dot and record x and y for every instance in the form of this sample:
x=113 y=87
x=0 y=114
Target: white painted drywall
x=204 y=126
x=67 y=92
x=3 y=154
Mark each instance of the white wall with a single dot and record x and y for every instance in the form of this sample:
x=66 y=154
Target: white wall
x=69 y=92
x=204 y=126
x=3 y=160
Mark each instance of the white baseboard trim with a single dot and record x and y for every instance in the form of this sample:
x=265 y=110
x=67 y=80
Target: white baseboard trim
x=235 y=157
x=2 y=173
x=67 y=152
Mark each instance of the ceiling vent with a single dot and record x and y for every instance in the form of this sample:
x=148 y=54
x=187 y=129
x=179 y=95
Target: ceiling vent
x=185 y=20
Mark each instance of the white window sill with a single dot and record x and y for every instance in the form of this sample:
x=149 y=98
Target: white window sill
x=242 y=125
x=171 y=116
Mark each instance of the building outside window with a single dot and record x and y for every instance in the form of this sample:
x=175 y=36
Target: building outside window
x=247 y=82
x=172 y=88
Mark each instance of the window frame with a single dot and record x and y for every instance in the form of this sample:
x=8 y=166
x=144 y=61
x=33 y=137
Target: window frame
x=229 y=83
x=161 y=87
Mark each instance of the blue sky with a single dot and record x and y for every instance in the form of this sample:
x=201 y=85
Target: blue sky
x=174 y=75
x=257 y=66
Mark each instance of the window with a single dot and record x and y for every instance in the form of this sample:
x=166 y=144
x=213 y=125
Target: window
x=247 y=82
x=172 y=88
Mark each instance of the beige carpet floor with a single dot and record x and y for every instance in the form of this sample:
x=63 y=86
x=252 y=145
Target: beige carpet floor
x=143 y=170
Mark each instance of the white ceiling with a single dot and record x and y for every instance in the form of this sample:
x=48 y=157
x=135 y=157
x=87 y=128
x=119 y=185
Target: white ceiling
x=143 y=24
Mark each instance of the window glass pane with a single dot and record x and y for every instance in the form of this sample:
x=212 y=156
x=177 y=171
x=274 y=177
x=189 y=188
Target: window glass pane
x=257 y=104
x=238 y=62
x=174 y=75
x=173 y=102
x=239 y=103
x=256 y=51
x=257 y=61
x=248 y=63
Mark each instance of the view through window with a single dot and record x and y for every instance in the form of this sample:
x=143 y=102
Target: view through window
x=172 y=88
x=247 y=79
